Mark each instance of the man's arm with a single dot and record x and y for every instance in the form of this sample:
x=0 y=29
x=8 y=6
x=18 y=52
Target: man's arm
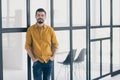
x=54 y=50
x=28 y=45
x=54 y=44
x=29 y=51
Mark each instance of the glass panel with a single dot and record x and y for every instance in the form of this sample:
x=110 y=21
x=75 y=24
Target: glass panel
x=79 y=12
x=14 y=57
x=100 y=33
x=105 y=57
x=13 y=15
x=61 y=13
x=62 y=64
x=79 y=41
x=79 y=64
x=116 y=12
x=116 y=49
x=35 y=4
x=106 y=12
x=95 y=12
x=95 y=59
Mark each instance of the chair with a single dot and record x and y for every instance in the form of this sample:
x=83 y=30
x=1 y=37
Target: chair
x=66 y=62
x=81 y=56
x=79 y=60
x=68 y=58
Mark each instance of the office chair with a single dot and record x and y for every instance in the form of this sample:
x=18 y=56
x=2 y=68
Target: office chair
x=66 y=63
x=78 y=63
x=68 y=58
x=81 y=56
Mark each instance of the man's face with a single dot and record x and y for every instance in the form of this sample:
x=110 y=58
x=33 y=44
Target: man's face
x=40 y=17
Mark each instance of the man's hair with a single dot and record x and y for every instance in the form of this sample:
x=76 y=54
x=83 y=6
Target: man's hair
x=40 y=10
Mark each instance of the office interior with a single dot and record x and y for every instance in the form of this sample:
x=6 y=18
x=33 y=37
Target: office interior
x=88 y=33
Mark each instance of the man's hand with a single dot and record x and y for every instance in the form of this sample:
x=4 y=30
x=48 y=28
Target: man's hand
x=34 y=60
x=52 y=58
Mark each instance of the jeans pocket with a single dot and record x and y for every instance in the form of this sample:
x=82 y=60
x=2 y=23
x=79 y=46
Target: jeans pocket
x=51 y=60
x=35 y=63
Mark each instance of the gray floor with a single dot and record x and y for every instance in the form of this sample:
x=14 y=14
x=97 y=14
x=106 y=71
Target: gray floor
x=18 y=75
x=117 y=77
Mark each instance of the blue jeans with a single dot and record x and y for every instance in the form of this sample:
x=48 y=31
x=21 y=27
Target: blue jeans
x=42 y=70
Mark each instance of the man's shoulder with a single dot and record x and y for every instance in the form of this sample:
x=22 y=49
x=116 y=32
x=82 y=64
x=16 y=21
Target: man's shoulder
x=48 y=26
x=32 y=26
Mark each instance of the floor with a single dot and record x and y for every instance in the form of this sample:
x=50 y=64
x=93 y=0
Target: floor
x=117 y=77
x=18 y=75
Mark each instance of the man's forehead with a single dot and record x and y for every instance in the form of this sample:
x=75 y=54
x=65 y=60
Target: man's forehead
x=39 y=12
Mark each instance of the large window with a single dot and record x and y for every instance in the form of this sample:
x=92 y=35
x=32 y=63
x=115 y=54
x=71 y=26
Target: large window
x=88 y=33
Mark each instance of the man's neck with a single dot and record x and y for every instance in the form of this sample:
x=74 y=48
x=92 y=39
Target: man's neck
x=40 y=25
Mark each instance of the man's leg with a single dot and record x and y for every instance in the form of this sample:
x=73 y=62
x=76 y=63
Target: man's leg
x=47 y=70
x=37 y=70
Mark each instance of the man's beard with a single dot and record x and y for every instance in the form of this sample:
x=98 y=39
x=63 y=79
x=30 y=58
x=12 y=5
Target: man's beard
x=40 y=21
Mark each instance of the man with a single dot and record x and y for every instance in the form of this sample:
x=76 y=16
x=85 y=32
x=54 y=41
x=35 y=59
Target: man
x=41 y=45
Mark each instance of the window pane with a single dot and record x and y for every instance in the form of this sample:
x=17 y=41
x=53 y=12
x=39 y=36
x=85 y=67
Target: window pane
x=61 y=13
x=95 y=59
x=79 y=12
x=62 y=70
x=100 y=33
x=116 y=12
x=13 y=15
x=79 y=63
x=79 y=39
x=106 y=12
x=63 y=44
x=116 y=49
x=95 y=12
x=14 y=57
x=105 y=57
